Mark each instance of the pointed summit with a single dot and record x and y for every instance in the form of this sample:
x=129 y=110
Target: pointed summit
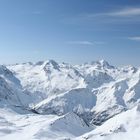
x=102 y=64
x=51 y=64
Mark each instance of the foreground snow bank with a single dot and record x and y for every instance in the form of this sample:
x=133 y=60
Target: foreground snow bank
x=33 y=126
x=124 y=126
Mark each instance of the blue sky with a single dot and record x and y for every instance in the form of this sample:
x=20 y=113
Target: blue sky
x=73 y=31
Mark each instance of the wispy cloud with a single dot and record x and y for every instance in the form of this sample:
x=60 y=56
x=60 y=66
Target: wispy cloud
x=80 y=42
x=85 y=43
x=117 y=16
x=134 y=38
x=125 y=12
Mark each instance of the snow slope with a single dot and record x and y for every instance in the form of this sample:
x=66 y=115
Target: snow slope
x=76 y=100
x=58 y=100
x=124 y=126
x=33 y=126
x=97 y=89
x=10 y=88
x=48 y=77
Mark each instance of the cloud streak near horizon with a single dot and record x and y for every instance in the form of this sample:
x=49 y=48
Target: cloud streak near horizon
x=123 y=12
x=85 y=43
x=134 y=38
x=126 y=12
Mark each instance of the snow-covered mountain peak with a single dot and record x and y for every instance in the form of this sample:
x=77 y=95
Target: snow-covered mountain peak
x=50 y=65
x=50 y=62
x=101 y=64
x=89 y=94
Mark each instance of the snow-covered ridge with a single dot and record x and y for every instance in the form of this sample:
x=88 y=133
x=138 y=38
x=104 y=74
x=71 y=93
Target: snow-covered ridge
x=123 y=126
x=97 y=87
x=92 y=92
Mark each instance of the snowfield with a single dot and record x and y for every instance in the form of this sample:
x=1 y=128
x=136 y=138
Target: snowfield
x=51 y=101
x=32 y=126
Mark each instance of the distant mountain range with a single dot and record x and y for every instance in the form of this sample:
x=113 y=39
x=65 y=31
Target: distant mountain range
x=50 y=100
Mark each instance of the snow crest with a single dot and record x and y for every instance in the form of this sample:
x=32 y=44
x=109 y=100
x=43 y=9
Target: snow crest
x=63 y=101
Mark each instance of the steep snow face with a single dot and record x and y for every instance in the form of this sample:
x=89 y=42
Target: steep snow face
x=63 y=101
x=11 y=93
x=72 y=124
x=132 y=96
x=123 y=126
x=109 y=101
x=76 y=100
x=9 y=77
x=40 y=127
x=96 y=88
x=6 y=93
x=9 y=86
x=96 y=78
x=48 y=78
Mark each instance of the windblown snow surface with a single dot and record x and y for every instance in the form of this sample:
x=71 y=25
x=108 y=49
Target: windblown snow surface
x=58 y=101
